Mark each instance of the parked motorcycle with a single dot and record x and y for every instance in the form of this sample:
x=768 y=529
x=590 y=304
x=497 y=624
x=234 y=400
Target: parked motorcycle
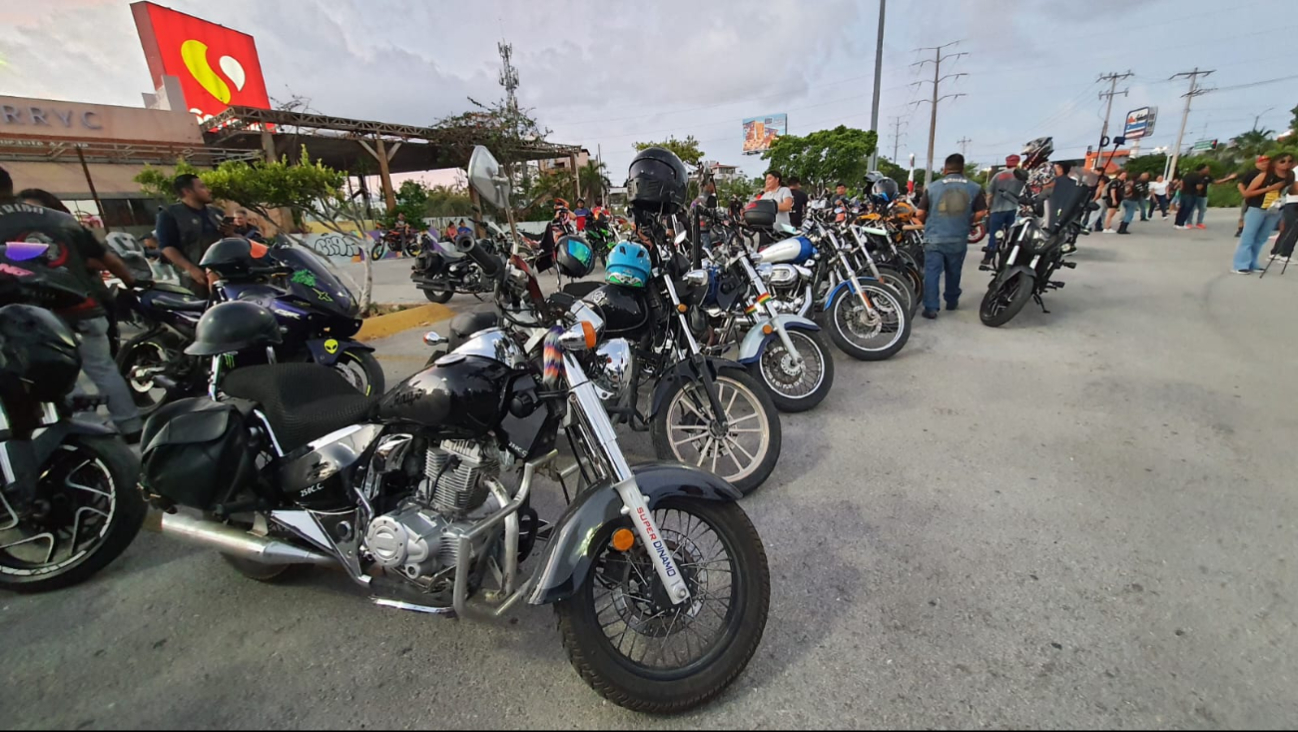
x=442 y=271
x=68 y=503
x=316 y=311
x=1035 y=249
x=658 y=577
x=407 y=242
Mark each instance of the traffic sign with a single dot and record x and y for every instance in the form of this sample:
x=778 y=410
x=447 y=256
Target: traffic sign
x=1140 y=123
x=1204 y=146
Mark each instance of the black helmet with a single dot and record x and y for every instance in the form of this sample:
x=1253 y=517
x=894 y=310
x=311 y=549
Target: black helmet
x=38 y=348
x=875 y=176
x=234 y=326
x=1037 y=152
x=885 y=190
x=229 y=257
x=574 y=256
x=656 y=181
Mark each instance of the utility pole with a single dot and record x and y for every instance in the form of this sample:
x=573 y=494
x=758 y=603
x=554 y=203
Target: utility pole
x=938 y=58
x=1113 y=80
x=1195 y=91
x=896 y=137
x=964 y=146
x=878 y=82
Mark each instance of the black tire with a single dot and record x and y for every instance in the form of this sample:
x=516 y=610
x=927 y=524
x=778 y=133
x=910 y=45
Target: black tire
x=154 y=350
x=900 y=281
x=894 y=317
x=363 y=370
x=616 y=678
x=377 y=251
x=1001 y=304
x=914 y=271
x=756 y=396
x=812 y=345
x=123 y=523
x=439 y=296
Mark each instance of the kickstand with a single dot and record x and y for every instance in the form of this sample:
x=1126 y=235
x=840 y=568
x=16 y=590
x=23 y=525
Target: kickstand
x=1039 y=301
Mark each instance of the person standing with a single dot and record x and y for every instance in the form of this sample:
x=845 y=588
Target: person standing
x=707 y=199
x=1284 y=244
x=1191 y=183
x=948 y=209
x=800 y=199
x=1129 y=205
x=580 y=213
x=1101 y=199
x=1262 y=163
x=1003 y=191
x=78 y=249
x=186 y=229
x=775 y=190
x=840 y=197
x=1158 y=196
x=1114 y=194
x=1140 y=191
x=1262 y=194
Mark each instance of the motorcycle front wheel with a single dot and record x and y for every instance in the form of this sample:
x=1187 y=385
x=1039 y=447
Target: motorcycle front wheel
x=1003 y=302
x=439 y=295
x=866 y=337
x=684 y=430
x=86 y=513
x=899 y=281
x=377 y=252
x=634 y=647
x=796 y=388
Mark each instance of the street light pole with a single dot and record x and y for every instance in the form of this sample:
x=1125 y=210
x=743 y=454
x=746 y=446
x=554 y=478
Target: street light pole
x=878 y=82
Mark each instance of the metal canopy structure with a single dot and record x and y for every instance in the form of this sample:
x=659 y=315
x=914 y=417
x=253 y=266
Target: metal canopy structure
x=356 y=145
x=121 y=153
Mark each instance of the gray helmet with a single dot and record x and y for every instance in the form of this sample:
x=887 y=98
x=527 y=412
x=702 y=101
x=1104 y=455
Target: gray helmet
x=230 y=327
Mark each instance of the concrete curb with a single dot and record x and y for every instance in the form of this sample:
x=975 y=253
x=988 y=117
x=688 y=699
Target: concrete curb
x=382 y=326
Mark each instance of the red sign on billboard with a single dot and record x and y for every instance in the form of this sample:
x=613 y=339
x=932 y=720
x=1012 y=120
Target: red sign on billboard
x=217 y=67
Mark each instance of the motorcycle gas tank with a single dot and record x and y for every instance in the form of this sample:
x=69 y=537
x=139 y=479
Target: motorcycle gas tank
x=794 y=250
x=461 y=396
x=624 y=309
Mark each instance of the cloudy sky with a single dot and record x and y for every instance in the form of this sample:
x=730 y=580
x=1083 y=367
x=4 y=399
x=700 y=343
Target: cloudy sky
x=604 y=77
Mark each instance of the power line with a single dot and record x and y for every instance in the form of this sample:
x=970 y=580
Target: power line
x=1113 y=79
x=1195 y=91
x=937 y=60
x=964 y=145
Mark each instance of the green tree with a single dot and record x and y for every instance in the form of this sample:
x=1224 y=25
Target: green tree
x=412 y=200
x=594 y=180
x=448 y=201
x=687 y=150
x=1152 y=164
x=1250 y=144
x=824 y=157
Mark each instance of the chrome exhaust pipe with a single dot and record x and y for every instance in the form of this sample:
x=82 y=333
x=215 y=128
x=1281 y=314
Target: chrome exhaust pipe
x=239 y=544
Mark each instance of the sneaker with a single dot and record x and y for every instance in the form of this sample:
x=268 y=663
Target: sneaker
x=1201 y=226
x=930 y=314
x=1242 y=271
x=1110 y=231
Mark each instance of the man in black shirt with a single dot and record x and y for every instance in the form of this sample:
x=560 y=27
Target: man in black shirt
x=186 y=229
x=800 y=198
x=1113 y=196
x=1191 y=185
x=1141 y=189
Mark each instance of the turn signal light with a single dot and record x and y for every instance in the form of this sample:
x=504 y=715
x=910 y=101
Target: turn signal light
x=682 y=307
x=768 y=329
x=623 y=539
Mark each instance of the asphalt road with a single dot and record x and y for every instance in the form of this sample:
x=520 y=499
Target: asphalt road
x=1083 y=519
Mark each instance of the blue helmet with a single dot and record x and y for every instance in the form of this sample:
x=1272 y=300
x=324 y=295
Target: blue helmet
x=628 y=264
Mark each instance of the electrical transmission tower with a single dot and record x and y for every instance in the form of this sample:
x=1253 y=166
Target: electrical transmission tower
x=897 y=122
x=938 y=58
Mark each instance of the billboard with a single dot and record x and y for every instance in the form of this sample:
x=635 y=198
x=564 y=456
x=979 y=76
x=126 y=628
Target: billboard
x=1140 y=123
x=761 y=132
x=217 y=67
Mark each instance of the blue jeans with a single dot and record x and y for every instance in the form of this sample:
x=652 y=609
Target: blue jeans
x=1188 y=202
x=98 y=363
x=997 y=222
x=1258 y=227
x=1129 y=207
x=937 y=262
x=1200 y=203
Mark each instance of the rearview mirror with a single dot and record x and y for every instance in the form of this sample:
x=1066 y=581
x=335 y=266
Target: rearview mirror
x=487 y=177
x=788 y=228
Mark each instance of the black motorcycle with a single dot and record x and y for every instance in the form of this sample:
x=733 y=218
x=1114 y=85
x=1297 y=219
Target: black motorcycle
x=68 y=503
x=442 y=271
x=659 y=579
x=1035 y=248
x=317 y=313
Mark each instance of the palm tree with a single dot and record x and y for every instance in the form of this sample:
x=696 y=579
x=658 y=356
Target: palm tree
x=594 y=180
x=1254 y=142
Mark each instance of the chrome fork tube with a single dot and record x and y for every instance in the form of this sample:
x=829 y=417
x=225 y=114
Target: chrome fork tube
x=634 y=503
x=865 y=252
x=769 y=306
x=851 y=275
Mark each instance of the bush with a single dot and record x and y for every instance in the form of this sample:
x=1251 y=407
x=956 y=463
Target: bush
x=1226 y=195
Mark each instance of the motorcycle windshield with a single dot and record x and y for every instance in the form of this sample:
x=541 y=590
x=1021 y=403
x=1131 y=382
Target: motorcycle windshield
x=314 y=281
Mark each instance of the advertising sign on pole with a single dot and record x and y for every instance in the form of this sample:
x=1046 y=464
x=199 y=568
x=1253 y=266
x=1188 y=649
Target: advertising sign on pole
x=1140 y=123
x=762 y=132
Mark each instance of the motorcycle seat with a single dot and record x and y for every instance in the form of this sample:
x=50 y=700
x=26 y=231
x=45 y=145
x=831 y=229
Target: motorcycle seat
x=302 y=401
x=177 y=299
x=464 y=325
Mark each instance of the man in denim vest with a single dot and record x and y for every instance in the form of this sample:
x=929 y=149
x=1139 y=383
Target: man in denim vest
x=948 y=209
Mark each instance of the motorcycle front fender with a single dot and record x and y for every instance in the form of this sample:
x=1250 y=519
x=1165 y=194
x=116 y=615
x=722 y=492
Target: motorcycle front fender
x=842 y=287
x=566 y=562
x=754 y=343
x=325 y=351
x=685 y=370
x=1005 y=276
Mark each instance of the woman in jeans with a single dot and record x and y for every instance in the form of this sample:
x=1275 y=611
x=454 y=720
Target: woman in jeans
x=1262 y=191
x=1158 y=196
x=1284 y=245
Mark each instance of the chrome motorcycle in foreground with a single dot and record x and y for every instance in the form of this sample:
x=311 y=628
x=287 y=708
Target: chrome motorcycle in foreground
x=68 y=503
x=659 y=579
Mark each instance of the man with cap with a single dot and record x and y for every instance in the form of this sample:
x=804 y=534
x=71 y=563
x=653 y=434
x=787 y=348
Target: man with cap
x=1003 y=194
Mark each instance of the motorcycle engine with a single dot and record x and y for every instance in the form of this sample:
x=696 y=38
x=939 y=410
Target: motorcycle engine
x=420 y=538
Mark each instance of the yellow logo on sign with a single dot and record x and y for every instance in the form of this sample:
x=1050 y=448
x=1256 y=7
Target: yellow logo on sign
x=331 y=346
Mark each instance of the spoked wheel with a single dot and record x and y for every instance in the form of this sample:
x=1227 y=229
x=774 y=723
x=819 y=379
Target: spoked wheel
x=1004 y=301
x=745 y=453
x=637 y=649
x=86 y=512
x=868 y=336
x=362 y=370
x=796 y=387
x=900 y=283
